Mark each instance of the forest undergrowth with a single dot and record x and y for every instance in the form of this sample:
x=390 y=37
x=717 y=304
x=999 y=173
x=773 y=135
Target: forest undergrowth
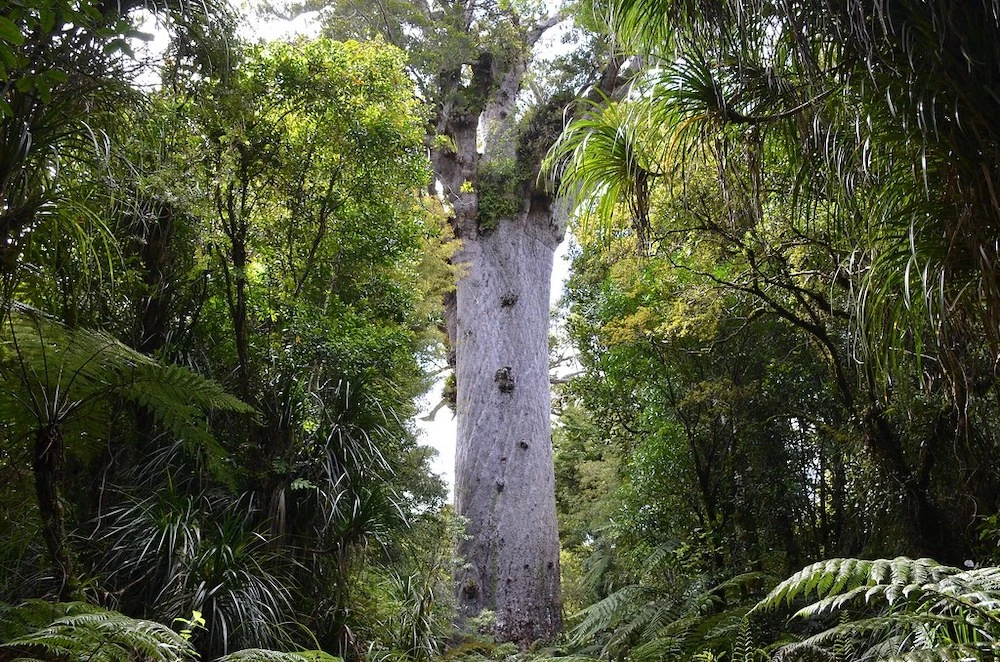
x=774 y=368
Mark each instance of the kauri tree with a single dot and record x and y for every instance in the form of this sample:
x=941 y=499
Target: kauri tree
x=470 y=62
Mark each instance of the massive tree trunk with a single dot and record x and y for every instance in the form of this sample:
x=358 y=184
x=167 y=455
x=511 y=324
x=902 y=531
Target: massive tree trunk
x=498 y=324
x=504 y=472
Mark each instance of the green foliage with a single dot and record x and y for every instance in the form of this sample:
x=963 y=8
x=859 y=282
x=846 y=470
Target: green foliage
x=263 y=655
x=263 y=225
x=81 y=631
x=606 y=151
x=55 y=375
x=41 y=631
x=786 y=368
x=906 y=609
x=499 y=188
x=198 y=554
x=669 y=614
x=842 y=117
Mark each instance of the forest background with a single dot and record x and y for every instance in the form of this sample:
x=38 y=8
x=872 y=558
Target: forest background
x=783 y=309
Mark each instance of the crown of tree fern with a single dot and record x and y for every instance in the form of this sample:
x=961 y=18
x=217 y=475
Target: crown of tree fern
x=54 y=375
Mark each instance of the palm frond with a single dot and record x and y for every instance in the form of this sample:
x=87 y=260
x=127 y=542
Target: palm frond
x=603 y=156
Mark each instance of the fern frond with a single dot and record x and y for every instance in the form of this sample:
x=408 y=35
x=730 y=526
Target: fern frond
x=30 y=615
x=839 y=577
x=743 y=646
x=948 y=654
x=658 y=648
x=264 y=655
x=912 y=609
x=658 y=556
x=601 y=615
x=99 y=635
x=56 y=374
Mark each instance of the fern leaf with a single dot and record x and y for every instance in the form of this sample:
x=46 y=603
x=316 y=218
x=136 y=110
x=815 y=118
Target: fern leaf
x=60 y=374
x=601 y=615
x=264 y=655
x=99 y=635
x=658 y=648
x=950 y=653
x=30 y=615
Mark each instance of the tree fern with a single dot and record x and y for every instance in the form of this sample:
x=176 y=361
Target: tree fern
x=90 y=633
x=60 y=382
x=906 y=609
x=54 y=373
x=264 y=655
x=30 y=615
x=744 y=649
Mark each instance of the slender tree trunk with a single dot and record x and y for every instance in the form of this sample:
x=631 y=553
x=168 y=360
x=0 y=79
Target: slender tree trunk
x=504 y=470
x=47 y=466
x=156 y=256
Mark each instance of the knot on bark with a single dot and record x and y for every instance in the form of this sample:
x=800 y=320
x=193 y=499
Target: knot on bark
x=508 y=300
x=504 y=379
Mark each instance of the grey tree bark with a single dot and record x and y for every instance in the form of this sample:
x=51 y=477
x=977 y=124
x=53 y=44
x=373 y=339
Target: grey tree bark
x=498 y=321
x=504 y=473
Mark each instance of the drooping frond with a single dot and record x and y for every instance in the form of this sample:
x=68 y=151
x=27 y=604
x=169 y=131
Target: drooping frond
x=31 y=615
x=900 y=608
x=264 y=655
x=55 y=374
x=603 y=157
x=649 y=623
x=99 y=635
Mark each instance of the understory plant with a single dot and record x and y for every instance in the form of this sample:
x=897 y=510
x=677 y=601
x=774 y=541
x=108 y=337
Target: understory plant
x=41 y=631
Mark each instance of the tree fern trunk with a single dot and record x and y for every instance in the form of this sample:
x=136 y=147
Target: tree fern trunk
x=47 y=467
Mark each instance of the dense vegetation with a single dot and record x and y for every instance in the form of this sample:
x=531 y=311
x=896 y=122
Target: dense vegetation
x=217 y=294
x=222 y=293
x=784 y=303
